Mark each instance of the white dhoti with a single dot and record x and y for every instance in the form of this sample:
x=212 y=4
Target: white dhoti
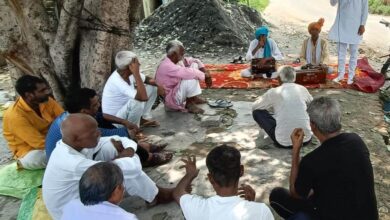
x=33 y=160
x=187 y=89
x=140 y=185
x=246 y=73
x=342 y=53
x=134 y=109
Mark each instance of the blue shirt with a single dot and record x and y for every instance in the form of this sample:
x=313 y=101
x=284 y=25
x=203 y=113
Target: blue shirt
x=54 y=133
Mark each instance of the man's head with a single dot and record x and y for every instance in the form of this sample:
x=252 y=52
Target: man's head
x=80 y=131
x=314 y=28
x=125 y=59
x=175 y=51
x=33 y=89
x=325 y=116
x=261 y=33
x=287 y=74
x=224 y=165
x=82 y=100
x=101 y=182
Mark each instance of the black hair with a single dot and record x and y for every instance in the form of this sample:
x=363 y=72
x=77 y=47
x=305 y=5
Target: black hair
x=79 y=99
x=27 y=83
x=99 y=182
x=224 y=164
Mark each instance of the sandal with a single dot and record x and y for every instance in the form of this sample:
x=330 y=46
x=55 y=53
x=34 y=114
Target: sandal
x=149 y=123
x=154 y=148
x=220 y=103
x=159 y=159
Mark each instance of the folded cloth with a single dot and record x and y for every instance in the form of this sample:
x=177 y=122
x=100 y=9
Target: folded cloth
x=17 y=183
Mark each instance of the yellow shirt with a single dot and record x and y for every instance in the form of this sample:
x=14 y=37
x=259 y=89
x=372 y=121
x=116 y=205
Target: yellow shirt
x=24 y=129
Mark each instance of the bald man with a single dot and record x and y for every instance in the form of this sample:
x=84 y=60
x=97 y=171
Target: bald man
x=80 y=148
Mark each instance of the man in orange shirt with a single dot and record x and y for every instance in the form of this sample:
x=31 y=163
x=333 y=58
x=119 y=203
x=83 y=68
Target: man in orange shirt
x=26 y=122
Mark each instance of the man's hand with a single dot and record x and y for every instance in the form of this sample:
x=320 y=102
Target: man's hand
x=361 y=30
x=128 y=152
x=160 y=91
x=208 y=79
x=118 y=145
x=190 y=165
x=134 y=67
x=130 y=125
x=297 y=138
x=247 y=192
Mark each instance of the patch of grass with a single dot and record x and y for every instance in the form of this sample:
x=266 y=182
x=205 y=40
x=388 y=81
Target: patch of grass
x=378 y=7
x=259 y=5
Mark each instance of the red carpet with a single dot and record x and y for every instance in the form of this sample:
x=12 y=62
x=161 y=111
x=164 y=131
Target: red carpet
x=228 y=76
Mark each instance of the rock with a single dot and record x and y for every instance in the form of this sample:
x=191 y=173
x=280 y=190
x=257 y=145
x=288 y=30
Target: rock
x=210 y=121
x=193 y=130
x=211 y=23
x=383 y=209
x=168 y=133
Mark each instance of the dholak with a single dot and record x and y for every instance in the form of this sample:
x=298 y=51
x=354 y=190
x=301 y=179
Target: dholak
x=311 y=76
x=258 y=66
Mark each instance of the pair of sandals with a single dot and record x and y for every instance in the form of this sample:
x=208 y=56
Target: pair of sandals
x=239 y=60
x=220 y=103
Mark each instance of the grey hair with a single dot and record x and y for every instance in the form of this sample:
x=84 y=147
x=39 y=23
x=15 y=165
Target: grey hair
x=173 y=46
x=124 y=58
x=287 y=74
x=99 y=182
x=325 y=114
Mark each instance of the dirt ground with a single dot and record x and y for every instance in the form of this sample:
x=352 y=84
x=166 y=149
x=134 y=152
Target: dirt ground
x=266 y=166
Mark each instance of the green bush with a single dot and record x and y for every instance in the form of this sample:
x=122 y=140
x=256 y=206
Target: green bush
x=378 y=7
x=259 y=5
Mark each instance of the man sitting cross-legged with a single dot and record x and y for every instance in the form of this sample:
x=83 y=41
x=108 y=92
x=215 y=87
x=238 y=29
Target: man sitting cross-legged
x=80 y=148
x=26 y=122
x=334 y=181
x=86 y=101
x=101 y=189
x=314 y=48
x=180 y=77
x=129 y=94
x=225 y=170
x=262 y=47
x=288 y=102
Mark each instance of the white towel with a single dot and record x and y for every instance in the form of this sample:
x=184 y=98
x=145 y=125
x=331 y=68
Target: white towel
x=318 y=51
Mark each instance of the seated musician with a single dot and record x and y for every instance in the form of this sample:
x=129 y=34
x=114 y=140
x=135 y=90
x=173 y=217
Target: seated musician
x=262 y=47
x=314 y=51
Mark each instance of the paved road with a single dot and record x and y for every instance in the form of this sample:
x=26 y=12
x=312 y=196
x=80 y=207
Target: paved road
x=301 y=12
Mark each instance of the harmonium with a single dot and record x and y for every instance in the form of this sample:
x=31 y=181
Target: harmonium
x=311 y=75
x=261 y=66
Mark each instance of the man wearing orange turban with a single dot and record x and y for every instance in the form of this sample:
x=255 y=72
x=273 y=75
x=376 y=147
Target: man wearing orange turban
x=315 y=49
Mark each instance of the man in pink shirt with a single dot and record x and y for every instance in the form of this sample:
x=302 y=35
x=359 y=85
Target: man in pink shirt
x=180 y=77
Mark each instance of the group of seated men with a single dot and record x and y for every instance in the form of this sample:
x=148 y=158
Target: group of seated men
x=93 y=157
x=314 y=52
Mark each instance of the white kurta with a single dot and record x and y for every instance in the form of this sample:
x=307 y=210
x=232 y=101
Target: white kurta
x=275 y=52
x=288 y=102
x=350 y=15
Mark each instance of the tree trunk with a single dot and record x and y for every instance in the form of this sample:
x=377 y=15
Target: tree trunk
x=98 y=48
x=72 y=43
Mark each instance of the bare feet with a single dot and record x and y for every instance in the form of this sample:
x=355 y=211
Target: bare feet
x=197 y=100
x=192 y=108
x=158 y=159
x=149 y=123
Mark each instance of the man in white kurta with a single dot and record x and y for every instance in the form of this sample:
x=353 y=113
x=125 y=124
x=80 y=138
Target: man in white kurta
x=67 y=165
x=288 y=102
x=255 y=50
x=347 y=31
